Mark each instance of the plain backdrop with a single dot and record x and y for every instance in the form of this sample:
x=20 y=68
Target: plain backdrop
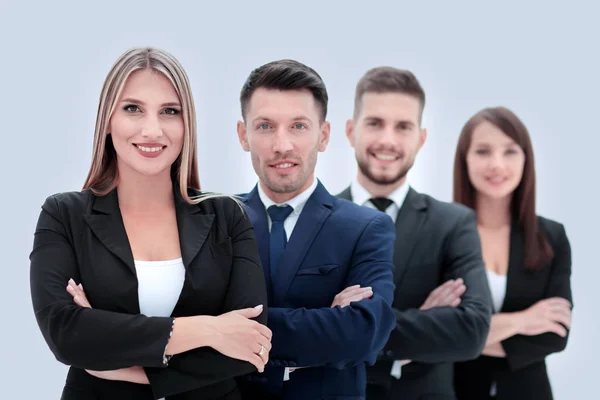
x=539 y=59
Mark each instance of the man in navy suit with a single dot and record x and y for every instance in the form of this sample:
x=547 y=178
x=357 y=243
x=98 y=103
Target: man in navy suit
x=328 y=262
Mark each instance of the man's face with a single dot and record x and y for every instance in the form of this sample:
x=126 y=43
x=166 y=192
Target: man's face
x=283 y=133
x=386 y=136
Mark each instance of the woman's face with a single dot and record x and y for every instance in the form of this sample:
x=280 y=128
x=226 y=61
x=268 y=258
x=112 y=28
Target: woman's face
x=494 y=162
x=147 y=126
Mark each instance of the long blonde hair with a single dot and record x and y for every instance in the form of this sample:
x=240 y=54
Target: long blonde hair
x=103 y=175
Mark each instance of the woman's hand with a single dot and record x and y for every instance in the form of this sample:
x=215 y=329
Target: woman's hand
x=78 y=294
x=239 y=337
x=548 y=315
x=132 y=374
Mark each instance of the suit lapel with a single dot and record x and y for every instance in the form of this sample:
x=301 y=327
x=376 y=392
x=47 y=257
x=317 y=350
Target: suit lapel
x=346 y=194
x=258 y=217
x=193 y=227
x=107 y=224
x=408 y=224
x=515 y=266
x=315 y=212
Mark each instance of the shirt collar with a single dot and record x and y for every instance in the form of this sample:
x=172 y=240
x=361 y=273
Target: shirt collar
x=297 y=202
x=361 y=196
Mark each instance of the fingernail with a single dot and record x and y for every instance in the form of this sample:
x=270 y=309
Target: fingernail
x=259 y=307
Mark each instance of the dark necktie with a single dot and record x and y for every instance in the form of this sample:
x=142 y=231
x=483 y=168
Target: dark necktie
x=382 y=203
x=278 y=237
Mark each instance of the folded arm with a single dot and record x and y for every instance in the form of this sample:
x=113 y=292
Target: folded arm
x=348 y=335
x=83 y=337
x=247 y=288
x=521 y=349
x=448 y=334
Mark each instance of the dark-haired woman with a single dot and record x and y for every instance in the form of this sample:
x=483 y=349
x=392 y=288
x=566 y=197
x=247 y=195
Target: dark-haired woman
x=527 y=257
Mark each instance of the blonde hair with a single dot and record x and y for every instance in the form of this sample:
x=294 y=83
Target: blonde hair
x=103 y=175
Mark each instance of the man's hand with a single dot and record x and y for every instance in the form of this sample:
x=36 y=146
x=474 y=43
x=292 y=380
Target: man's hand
x=447 y=294
x=350 y=294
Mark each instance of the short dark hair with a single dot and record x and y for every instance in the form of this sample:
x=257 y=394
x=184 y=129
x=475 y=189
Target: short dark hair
x=388 y=80
x=285 y=75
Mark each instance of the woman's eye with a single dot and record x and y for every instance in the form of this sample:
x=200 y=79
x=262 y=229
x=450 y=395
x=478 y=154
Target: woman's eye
x=172 y=111
x=131 y=108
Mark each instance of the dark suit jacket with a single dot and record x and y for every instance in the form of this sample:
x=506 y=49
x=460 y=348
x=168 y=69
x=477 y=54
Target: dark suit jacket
x=82 y=236
x=436 y=241
x=522 y=374
x=334 y=244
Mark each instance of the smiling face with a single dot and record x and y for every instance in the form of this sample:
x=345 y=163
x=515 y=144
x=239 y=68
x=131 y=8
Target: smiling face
x=495 y=162
x=283 y=134
x=386 y=136
x=147 y=127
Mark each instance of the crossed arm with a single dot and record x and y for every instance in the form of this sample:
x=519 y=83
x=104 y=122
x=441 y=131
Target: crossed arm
x=345 y=335
x=528 y=336
x=101 y=340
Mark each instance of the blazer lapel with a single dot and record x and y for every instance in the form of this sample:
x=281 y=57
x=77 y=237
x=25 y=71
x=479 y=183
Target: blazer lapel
x=515 y=266
x=346 y=194
x=193 y=227
x=258 y=217
x=316 y=210
x=107 y=224
x=408 y=224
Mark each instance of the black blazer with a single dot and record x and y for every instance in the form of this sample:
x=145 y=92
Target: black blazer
x=522 y=374
x=82 y=236
x=435 y=241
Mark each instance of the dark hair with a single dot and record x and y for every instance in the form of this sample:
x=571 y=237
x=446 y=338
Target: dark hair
x=285 y=75
x=537 y=249
x=386 y=80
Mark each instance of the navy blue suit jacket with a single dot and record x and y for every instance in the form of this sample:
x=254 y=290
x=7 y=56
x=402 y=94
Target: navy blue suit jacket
x=334 y=244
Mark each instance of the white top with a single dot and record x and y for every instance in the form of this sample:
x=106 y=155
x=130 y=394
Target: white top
x=159 y=286
x=297 y=203
x=362 y=197
x=497 y=285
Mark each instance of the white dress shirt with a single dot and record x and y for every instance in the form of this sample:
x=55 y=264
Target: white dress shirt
x=297 y=203
x=362 y=197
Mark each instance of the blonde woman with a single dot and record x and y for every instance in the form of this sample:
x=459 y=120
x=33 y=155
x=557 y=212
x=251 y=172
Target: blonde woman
x=172 y=277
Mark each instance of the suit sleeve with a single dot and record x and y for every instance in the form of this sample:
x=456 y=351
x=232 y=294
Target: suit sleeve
x=338 y=337
x=522 y=350
x=84 y=337
x=247 y=288
x=449 y=334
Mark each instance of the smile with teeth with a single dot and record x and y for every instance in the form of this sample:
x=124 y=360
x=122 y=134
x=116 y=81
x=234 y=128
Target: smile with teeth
x=149 y=149
x=385 y=157
x=284 y=165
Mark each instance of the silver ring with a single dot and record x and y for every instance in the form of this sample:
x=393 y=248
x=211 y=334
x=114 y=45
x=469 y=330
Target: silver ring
x=262 y=350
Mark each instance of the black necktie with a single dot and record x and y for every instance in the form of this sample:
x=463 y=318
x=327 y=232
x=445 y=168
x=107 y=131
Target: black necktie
x=278 y=237
x=382 y=203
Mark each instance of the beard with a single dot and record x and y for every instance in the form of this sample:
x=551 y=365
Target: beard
x=382 y=179
x=293 y=182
